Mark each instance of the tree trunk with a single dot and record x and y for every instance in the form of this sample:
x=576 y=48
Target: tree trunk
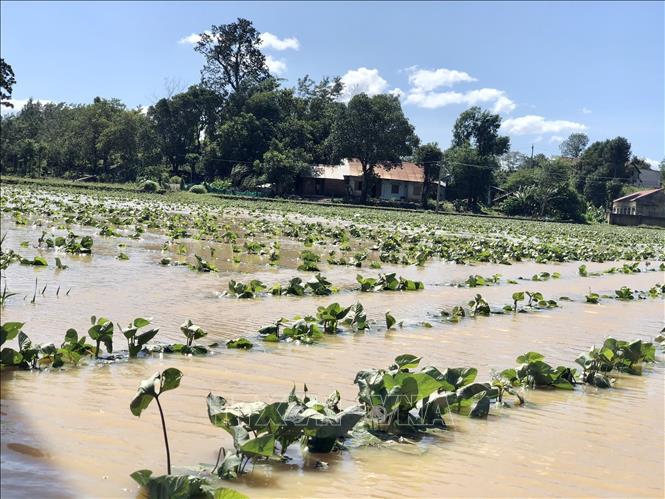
x=425 y=192
x=364 y=190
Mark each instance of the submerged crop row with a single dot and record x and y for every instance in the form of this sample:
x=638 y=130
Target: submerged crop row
x=393 y=237
x=327 y=320
x=402 y=400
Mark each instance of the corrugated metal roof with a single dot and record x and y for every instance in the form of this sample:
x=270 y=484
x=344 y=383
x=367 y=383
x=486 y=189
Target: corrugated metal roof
x=637 y=195
x=407 y=172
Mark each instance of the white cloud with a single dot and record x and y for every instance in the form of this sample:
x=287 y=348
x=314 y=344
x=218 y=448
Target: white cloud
x=556 y=139
x=275 y=66
x=397 y=92
x=192 y=39
x=653 y=163
x=433 y=100
x=270 y=41
x=586 y=110
x=426 y=80
x=503 y=105
x=534 y=125
x=19 y=103
x=362 y=80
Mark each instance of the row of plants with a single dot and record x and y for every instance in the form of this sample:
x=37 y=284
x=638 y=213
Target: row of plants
x=317 y=285
x=320 y=286
x=402 y=400
x=309 y=329
x=74 y=348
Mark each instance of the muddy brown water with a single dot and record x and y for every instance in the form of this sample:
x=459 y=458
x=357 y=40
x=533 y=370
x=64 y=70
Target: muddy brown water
x=70 y=433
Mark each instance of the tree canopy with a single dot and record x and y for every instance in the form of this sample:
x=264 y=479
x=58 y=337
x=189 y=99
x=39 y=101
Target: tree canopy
x=375 y=131
x=7 y=82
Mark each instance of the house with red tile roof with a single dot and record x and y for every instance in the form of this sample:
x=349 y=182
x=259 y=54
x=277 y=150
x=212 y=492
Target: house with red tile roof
x=640 y=208
x=399 y=183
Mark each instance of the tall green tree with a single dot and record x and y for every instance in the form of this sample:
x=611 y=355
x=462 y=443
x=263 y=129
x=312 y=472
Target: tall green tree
x=428 y=157
x=375 y=131
x=574 y=145
x=181 y=121
x=7 y=82
x=472 y=158
x=480 y=130
x=233 y=59
x=603 y=168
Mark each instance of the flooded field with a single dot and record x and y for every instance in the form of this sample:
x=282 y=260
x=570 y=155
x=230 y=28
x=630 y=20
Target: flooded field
x=69 y=432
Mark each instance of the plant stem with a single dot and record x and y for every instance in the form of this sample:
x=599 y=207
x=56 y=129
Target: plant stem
x=166 y=438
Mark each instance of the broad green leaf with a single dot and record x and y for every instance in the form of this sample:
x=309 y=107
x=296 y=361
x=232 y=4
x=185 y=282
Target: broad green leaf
x=9 y=331
x=261 y=446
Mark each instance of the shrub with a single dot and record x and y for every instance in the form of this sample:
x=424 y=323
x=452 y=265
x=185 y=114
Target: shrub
x=220 y=185
x=444 y=206
x=198 y=189
x=175 y=180
x=149 y=186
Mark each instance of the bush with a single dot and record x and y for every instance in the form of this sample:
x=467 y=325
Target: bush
x=149 y=186
x=444 y=206
x=175 y=180
x=219 y=185
x=198 y=189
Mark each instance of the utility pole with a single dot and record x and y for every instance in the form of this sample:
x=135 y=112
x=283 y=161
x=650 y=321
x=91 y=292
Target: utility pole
x=531 y=155
x=438 y=188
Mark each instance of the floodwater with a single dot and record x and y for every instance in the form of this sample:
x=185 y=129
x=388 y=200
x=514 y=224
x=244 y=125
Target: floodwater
x=70 y=432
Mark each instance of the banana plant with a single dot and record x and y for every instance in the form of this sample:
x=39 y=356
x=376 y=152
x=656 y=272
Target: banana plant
x=152 y=388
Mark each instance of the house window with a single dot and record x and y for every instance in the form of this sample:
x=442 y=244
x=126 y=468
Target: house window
x=417 y=190
x=394 y=189
x=359 y=186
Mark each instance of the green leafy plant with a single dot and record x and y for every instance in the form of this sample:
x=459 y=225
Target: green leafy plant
x=390 y=320
x=101 y=331
x=152 y=388
x=358 y=321
x=182 y=486
x=624 y=293
x=517 y=297
x=136 y=341
x=535 y=373
x=241 y=290
x=320 y=286
x=202 y=265
x=478 y=306
x=309 y=261
x=240 y=343
x=388 y=282
x=455 y=314
x=593 y=298
x=331 y=315
x=619 y=355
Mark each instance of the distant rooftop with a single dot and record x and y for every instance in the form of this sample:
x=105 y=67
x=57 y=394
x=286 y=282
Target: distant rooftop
x=407 y=172
x=638 y=195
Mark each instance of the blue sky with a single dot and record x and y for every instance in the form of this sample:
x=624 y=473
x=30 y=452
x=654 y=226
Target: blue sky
x=549 y=68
